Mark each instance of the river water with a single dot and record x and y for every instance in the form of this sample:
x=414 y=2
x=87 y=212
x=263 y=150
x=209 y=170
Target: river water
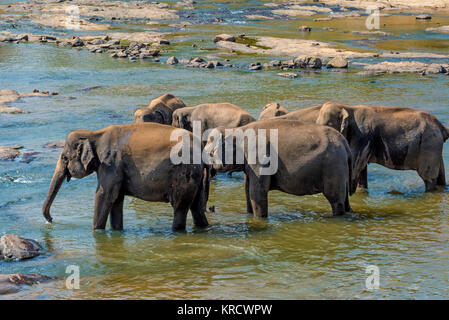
x=297 y=253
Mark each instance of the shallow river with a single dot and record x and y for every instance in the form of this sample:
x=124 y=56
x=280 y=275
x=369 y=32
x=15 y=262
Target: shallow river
x=299 y=252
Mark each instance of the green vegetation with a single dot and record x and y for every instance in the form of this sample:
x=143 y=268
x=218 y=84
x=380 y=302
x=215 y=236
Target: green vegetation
x=250 y=41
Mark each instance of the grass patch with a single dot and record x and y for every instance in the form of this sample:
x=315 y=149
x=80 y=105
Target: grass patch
x=250 y=41
x=125 y=42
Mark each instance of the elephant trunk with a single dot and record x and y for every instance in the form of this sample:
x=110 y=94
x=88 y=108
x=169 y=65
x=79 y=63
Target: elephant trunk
x=55 y=185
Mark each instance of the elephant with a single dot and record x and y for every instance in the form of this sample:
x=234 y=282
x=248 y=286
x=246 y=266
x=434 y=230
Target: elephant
x=132 y=160
x=310 y=115
x=310 y=159
x=211 y=115
x=272 y=110
x=394 y=137
x=159 y=110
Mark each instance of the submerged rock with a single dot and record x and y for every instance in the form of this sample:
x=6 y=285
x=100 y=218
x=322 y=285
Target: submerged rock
x=54 y=145
x=11 y=110
x=14 y=247
x=11 y=283
x=304 y=29
x=9 y=152
x=290 y=75
x=442 y=29
x=408 y=66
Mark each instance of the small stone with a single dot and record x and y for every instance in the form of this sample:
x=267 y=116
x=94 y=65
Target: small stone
x=304 y=29
x=290 y=75
x=424 y=17
x=54 y=145
x=76 y=42
x=337 y=62
x=172 y=60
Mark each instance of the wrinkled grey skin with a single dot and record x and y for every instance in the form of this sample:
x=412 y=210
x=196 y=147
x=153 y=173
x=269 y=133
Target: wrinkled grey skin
x=311 y=159
x=131 y=160
x=160 y=110
x=310 y=115
x=211 y=115
x=396 y=138
x=272 y=110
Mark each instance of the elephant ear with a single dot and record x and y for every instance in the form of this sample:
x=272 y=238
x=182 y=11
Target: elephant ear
x=344 y=122
x=87 y=154
x=184 y=122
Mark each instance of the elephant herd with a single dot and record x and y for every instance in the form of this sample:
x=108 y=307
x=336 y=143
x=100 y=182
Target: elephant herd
x=320 y=149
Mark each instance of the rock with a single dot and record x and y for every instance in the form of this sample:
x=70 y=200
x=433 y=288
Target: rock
x=7 y=96
x=224 y=37
x=337 y=62
x=407 y=66
x=163 y=42
x=442 y=29
x=9 y=153
x=54 y=144
x=373 y=33
x=308 y=62
x=11 y=110
x=305 y=29
x=255 y=67
x=10 y=283
x=14 y=247
x=76 y=42
x=423 y=17
x=172 y=60
x=290 y=75
x=27 y=157
x=274 y=63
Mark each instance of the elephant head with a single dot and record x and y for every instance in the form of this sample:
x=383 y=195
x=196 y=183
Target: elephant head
x=159 y=110
x=159 y=114
x=78 y=159
x=335 y=115
x=272 y=110
x=218 y=141
x=181 y=118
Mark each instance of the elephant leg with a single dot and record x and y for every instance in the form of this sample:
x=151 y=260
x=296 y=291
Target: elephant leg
x=198 y=209
x=337 y=194
x=363 y=180
x=104 y=200
x=441 y=180
x=258 y=195
x=249 y=207
x=116 y=218
x=181 y=204
x=108 y=190
x=180 y=217
x=429 y=174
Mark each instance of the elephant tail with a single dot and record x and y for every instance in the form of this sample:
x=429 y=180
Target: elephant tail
x=352 y=183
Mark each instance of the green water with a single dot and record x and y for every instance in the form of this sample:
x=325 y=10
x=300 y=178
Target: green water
x=298 y=252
